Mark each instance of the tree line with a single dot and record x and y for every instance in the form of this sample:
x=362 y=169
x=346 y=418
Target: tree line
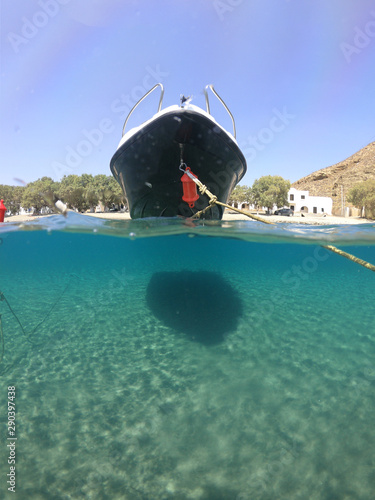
x=267 y=191
x=79 y=192
x=85 y=192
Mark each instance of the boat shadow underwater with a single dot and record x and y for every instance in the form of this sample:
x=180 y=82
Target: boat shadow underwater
x=200 y=304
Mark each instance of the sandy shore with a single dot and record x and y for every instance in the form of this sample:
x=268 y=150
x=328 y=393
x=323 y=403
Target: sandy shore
x=297 y=219
x=307 y=219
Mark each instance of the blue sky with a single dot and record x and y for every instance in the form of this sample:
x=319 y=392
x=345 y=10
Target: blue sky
x=298 y=75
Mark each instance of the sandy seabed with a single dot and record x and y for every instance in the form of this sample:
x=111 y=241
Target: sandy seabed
x=114 y=401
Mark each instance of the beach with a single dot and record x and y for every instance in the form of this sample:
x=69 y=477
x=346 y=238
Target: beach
x=309 y=219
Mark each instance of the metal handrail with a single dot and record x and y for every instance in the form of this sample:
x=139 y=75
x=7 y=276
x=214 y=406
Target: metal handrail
x=141 y=99
x=211 y=87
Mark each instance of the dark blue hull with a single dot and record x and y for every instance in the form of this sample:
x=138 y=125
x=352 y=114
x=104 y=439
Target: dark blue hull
x=147 y=164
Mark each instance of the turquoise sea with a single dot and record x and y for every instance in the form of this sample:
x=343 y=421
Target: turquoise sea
x=169 y=359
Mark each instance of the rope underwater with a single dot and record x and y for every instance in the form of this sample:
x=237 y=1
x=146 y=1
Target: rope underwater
x=213 y=200
x=27 y=336
x=3 y=298
x=349 y=256
x=1 y=340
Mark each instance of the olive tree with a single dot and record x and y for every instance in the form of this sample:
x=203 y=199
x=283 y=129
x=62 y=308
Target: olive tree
x=362 y=194
x=270 y=190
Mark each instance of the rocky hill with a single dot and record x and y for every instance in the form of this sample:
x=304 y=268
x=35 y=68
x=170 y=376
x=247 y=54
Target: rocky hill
x=328 y=181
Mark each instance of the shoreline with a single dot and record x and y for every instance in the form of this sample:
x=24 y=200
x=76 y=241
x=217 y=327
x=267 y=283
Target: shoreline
x=310 y=219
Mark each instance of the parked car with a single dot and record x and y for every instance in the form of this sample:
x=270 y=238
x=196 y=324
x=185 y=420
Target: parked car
x=284 y=211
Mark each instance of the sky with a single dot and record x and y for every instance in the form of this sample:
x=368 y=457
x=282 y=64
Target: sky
x=298 y=76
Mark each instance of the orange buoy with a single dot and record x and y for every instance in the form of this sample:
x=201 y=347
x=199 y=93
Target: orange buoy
x=2 y=210
x=190 y=188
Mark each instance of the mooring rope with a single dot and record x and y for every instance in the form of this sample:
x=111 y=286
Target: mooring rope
x=28 y=335
x=213 y=200
x=1 y=340
x=49 y=312
x=3 y=298
x=349 y=256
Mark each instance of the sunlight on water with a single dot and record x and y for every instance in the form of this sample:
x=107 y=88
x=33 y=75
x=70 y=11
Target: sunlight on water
x=168 y=359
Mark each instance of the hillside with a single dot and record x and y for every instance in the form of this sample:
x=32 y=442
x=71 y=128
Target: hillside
x=328 y=181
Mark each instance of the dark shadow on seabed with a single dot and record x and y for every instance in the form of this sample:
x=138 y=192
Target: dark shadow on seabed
x=200 y=304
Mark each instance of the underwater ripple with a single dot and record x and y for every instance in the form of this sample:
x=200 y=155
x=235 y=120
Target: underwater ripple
x=201 y=361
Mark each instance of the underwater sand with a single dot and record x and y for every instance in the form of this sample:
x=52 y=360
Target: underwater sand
x=178 y=364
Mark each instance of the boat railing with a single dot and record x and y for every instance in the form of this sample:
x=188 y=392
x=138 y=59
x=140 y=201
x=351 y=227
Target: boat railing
x=211 y=87
x=141 y=99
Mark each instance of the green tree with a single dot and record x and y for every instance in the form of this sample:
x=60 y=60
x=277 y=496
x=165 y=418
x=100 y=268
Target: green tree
x=362 y=194
x=40 y=193
x=91 y=197
x=12 y=196
x=240 y=194
x=78 y=191
x=17 y=198
x=6 y=194
x=85 y=191
x=270 y=190
x=108 y=190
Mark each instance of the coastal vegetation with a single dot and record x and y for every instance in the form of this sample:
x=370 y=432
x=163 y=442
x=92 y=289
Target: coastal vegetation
x=80 y=192
x=362 y=195
x=266 y=191
x=85 y=192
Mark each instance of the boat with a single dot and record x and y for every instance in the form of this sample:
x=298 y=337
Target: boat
x=152 y=159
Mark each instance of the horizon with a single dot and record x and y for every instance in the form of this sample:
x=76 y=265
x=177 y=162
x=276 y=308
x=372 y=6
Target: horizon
x=298 y=79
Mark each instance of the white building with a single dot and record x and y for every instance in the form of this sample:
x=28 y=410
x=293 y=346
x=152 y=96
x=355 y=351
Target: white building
x=301 y=201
